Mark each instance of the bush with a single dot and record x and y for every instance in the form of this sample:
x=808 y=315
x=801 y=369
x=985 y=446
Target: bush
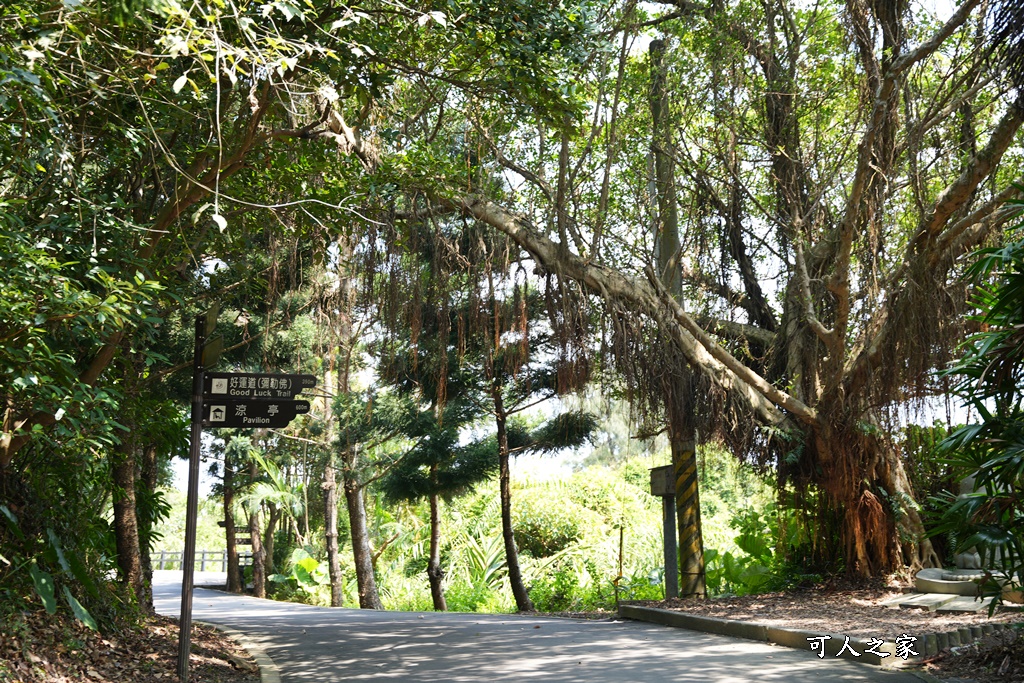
x=463 y=597
x=990 y=378
x=307 y=582
x=557 y=592
x=546 y=524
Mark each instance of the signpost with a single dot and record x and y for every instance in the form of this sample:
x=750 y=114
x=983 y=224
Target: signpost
x=663 y=485
x=224 y=399
x=204 y=326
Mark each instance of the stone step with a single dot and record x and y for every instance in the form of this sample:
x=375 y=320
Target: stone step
x=930 y=601
x=962 y=603
x=894 y=602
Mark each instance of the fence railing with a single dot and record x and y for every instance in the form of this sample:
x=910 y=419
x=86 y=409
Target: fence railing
x=206 y=560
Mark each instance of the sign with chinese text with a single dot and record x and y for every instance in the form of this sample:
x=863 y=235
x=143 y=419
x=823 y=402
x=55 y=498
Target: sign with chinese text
x=258 y=414
x=237 y=385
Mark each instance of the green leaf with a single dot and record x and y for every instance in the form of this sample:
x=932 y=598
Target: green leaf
x=303 y=577
x=81 y=613
x=44 y=587
x=289 y=11
x=308 y=563
x=12 y=522
x=55 y=542
x=80 y=573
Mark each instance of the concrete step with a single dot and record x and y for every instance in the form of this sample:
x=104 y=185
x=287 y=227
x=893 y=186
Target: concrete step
x=962 y=603
x=930 y=601
x=894 y=602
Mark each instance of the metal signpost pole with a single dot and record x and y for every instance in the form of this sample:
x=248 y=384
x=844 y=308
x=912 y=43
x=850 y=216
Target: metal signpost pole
x=663 y=485
x=188 y=557
x=233 y=400
x=668 y=509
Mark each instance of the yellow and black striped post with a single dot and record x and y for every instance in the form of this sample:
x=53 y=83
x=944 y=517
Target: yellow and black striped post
x=691 y=541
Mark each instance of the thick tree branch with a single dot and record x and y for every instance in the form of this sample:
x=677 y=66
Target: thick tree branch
x=949 y=244
x=827 y=336
x=703 y=352
x=925 y=50
x=956 y=194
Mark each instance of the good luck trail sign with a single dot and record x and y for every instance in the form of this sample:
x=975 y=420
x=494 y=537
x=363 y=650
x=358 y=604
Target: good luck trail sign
x=225 y=399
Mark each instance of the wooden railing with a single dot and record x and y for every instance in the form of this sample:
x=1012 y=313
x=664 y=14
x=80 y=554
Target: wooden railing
x=206 y=560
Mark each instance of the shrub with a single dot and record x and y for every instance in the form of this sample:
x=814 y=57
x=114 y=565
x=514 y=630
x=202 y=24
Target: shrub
x=990 y=378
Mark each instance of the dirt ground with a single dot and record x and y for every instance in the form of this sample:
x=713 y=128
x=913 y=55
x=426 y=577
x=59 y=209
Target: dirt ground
x=39 y=648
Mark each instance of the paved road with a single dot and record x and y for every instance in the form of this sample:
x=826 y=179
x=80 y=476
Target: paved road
x=320 y=645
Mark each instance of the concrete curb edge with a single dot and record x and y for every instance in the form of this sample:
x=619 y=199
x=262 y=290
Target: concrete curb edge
x=269 y=673
x=781 y=636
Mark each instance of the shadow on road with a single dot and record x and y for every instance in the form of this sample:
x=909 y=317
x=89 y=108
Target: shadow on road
x=312 y=644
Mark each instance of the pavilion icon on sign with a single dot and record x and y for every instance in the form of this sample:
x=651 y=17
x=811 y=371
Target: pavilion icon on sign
x=217 y=413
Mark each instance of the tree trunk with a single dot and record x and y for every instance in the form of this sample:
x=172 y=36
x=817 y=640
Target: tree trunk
x=434 y=572
x=259 y=573
x=346 y=343
x=147 y=481
x=666 y=224
x=691 y=539
x=330 y=488
x=362 y=553
x=268 y=543
x=865 y=482
x=234 y=575
x=126 y=529
x=681 y=434
x=515 y=576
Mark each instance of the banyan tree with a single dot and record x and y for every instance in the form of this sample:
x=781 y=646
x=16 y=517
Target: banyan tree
x=826 y=168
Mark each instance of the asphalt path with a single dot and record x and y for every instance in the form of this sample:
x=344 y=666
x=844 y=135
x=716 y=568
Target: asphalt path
x=321 y=645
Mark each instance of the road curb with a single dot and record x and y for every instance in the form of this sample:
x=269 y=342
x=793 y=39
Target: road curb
x=925 y=676
x=752 y=630
x=269 y=673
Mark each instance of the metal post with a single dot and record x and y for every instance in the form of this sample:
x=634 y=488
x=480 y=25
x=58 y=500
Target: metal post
x=192 y=505
x=668 y=508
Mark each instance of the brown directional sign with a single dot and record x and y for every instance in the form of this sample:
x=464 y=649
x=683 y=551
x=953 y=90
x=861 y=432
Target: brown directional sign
x=239 y=385
x=257 y=414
